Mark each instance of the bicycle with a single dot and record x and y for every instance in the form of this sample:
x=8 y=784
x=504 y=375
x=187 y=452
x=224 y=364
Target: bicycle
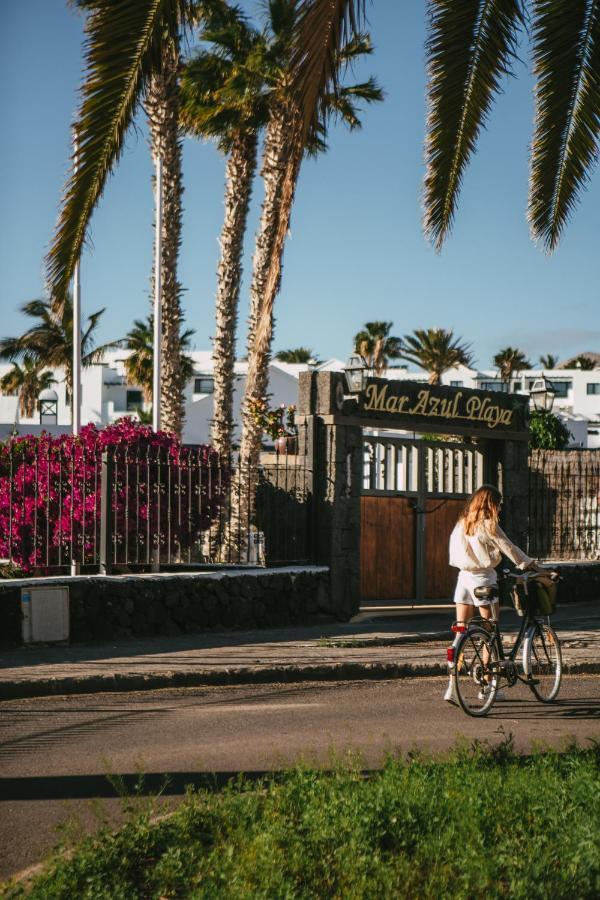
x=478 y=662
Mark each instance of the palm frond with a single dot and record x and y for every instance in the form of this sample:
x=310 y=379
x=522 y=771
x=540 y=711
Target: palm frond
x=322 y=28
x=470 y=47
x=96 y=354
x=122 y=49
x=566 y=62
x=341 y=104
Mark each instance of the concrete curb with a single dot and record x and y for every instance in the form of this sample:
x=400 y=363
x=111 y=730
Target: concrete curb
x=345 y=671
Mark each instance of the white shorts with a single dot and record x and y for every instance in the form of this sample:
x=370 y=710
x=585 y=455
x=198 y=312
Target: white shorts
x=466 y=583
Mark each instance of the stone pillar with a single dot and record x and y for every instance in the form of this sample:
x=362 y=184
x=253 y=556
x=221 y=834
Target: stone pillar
x=514 y=478
x=335 y=448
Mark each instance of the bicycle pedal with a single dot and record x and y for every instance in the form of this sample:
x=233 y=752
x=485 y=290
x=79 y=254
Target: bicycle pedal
x=532 y=681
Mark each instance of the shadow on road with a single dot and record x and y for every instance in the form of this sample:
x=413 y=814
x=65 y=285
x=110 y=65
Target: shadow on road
x=580 y=708
x=83 y=787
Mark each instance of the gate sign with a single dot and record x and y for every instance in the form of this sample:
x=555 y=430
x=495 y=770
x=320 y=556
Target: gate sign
x=410 y=405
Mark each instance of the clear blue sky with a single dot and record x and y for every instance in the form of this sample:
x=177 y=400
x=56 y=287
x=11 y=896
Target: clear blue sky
x=356 y=251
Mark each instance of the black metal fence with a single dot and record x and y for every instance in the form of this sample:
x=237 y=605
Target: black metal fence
x=122 y=508
x=564 y=504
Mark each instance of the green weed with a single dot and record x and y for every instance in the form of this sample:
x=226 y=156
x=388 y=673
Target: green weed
x=480 y=823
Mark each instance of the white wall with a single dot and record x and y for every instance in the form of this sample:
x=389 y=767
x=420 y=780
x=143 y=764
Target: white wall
x=104 y=394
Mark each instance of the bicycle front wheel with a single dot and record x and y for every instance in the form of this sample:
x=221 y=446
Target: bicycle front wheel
x=543 y=662
x=476 y=671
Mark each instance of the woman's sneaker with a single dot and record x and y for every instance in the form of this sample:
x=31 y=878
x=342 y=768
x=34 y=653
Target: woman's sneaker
x=485 y=692
x=450 y=695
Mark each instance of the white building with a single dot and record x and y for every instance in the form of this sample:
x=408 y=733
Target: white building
x=106 y=397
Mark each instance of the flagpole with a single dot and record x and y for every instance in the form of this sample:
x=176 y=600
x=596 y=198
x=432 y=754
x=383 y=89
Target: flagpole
x=76 y=367
x=157 y=296
x=76 y=341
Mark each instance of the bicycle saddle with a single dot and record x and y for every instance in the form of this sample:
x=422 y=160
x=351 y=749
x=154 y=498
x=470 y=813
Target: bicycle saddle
x=487 y=592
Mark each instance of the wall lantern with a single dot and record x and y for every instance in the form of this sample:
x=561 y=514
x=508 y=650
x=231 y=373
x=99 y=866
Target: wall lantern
x=356 y=374
x=542 y=394
x=48 y=407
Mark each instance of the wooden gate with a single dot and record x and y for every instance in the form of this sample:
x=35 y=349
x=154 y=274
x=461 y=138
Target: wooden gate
x=413 y=491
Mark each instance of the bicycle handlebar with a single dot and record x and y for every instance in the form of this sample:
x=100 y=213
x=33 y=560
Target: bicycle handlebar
x=526 y=574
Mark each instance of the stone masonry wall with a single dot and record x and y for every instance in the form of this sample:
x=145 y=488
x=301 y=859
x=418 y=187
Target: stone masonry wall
x=105 y=607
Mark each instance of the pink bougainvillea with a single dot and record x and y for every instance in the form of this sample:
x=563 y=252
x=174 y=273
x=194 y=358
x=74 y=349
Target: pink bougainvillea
x=163 y=496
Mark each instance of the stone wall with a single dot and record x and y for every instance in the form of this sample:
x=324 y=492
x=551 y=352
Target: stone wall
x=105 y=607
x=581 y=581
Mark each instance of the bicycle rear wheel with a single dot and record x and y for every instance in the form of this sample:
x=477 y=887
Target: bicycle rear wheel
x=476 y=671
x=543 y=662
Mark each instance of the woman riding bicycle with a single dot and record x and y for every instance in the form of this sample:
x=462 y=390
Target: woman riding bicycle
x=476 y=547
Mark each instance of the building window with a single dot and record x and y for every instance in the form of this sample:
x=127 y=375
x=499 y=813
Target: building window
x=457 y=384
x=134 y=400
x=562 y=389
x=491 y=386
x=205 y=384
x=517 y=386
x=593 y=387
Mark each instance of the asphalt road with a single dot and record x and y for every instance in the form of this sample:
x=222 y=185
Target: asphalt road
x=55 y=753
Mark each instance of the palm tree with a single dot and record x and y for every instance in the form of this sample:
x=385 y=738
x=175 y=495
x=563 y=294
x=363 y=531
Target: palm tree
x=510 y=362
x=548 y=361
x=131 y=54
x=27 y=381
x=224 y=94
x=582 y=362
x=286 y=142
x=435 y=350
x=138 y=365
x=49 y=341
x=471 y=47
x=298 y=355
x=162 y=107
x=376 y=346
x=124 y=48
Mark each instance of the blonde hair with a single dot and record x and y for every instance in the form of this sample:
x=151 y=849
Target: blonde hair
x=482 y=506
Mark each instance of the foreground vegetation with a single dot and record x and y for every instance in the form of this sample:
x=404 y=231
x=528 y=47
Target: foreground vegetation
x=481 y=823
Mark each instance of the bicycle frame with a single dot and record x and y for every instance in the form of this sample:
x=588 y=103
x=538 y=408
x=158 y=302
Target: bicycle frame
x=528 y=623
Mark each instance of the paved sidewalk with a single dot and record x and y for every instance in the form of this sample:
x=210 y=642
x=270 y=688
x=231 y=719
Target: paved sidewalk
x=384 y=645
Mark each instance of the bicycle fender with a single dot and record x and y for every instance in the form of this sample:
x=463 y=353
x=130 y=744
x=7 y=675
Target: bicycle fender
x=525 y=651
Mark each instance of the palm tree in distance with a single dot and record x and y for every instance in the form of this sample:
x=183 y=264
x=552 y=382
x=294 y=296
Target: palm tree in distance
x=298 y=355
x=583 y=363
x=376 y=346
x=138 y=365
x=49 y=341
x=224 y=97
x=285 y=146
x=435 y=350
x=548 y=361
x=27 y=381
x=470 y=49
x=509 y=363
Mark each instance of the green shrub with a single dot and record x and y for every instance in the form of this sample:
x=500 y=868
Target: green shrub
x=547 y=432
x=482 y=823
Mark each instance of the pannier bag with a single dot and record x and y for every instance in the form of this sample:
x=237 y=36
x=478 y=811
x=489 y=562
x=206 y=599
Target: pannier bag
x=538 y=595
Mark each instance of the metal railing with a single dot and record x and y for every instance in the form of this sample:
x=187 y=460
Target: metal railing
x=564 y=504
x=72 y=506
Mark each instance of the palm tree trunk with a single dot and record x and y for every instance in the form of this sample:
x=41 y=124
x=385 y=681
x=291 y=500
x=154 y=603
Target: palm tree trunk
x=240 y=170
x=281 y=165
x=162 y=106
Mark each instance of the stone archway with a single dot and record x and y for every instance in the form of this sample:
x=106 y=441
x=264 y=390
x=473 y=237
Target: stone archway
x=492 y=426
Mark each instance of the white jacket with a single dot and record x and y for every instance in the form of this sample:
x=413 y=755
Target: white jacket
x=484 y=549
